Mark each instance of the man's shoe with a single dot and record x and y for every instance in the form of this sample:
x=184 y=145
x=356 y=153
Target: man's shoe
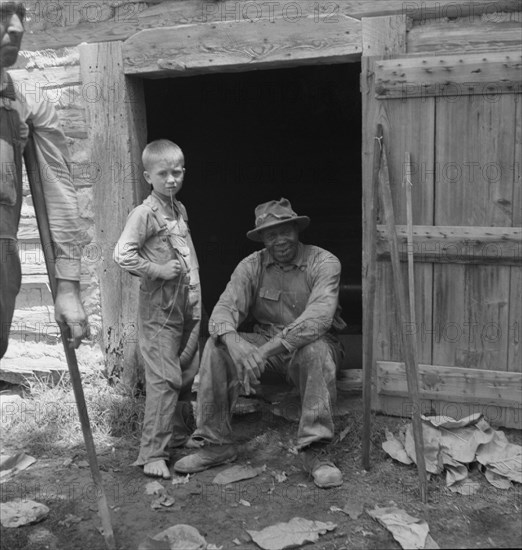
x=205 y=458
x=322 y=469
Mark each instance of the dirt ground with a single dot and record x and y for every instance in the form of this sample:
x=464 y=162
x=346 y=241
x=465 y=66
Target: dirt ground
x=222 y=514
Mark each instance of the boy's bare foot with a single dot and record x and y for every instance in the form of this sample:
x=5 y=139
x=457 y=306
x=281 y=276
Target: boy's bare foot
x=158 y=468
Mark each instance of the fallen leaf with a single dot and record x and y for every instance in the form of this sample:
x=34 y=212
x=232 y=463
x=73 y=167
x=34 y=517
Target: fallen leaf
x=465 y=487
x=395 y=448
x=177 y=537
x=237 y=542
x=279 y=476
x=180 y=480
x=82 y=464
x=498 y=481
x=345 y=432
x=18 y=512
x=69 y=520
x=237 y=473
x=353 y=509
x=164 y=501
x=408 y=531
x=154 y=488
x=244 y=502
x=293 y=533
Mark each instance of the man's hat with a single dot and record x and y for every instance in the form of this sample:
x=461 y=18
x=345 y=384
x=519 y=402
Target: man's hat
x=272 y=213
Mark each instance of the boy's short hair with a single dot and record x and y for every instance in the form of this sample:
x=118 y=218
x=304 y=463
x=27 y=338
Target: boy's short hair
x=158 y=149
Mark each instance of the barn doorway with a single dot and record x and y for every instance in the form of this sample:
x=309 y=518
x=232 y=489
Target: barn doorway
x=261 y=135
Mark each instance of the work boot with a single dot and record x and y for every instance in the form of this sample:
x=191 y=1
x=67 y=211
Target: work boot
x=205 y=458
x=318 y=464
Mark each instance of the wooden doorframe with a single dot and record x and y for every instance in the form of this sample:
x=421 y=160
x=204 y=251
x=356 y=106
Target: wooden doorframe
x=116 y=116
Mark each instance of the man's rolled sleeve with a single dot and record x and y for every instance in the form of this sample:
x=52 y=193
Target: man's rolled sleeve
x=235 y=302
x=60 y=193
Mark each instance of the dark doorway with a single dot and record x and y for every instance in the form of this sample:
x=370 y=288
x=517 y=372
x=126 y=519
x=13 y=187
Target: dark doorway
x=256 y=136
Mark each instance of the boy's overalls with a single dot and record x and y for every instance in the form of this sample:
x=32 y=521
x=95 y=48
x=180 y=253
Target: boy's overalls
x=168 y=328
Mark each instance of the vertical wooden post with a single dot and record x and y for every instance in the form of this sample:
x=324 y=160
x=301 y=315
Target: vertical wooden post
x=382 y=37
x=117 y=133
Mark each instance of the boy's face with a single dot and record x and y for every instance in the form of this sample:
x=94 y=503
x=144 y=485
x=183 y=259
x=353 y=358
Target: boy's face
x=11 y=32
x=166 y=176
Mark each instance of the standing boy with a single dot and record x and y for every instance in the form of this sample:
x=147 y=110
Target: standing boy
x=156 y=246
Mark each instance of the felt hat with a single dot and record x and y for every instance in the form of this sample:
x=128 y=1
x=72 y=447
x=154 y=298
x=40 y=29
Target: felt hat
x=272 y=213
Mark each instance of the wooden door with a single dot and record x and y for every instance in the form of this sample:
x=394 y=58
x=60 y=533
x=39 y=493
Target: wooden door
x=459 y=117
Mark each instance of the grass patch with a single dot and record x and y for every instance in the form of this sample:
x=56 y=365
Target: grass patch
x=45 y=420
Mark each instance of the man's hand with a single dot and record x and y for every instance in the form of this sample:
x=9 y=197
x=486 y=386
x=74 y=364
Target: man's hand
x=170 y=270
x=250 y=362
x=68 y=309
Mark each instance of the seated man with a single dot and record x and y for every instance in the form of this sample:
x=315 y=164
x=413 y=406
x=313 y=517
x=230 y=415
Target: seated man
x=291 y=291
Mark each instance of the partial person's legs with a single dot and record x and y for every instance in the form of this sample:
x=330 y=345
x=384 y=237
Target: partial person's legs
x=160 y=331
x=313 y=370
x=219 y=388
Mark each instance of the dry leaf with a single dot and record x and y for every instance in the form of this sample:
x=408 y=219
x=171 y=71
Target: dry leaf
x=154 y=488
x=237 y=473
x=293 y=533
x=180 y=480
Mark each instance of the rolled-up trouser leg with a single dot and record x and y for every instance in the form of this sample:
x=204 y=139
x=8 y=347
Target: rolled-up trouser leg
x=160 y=333
x=313 y=371
x=10 y=278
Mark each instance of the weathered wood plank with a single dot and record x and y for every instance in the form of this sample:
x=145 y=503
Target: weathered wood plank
x=457 y=244
x=372 y=113
x=471 y=34
x=515 y=297
x=384 y=35
x=456 y=384
x=65 y=23
x=486 y=74
x=117 y=133
x=240 y=46
x=475 y=187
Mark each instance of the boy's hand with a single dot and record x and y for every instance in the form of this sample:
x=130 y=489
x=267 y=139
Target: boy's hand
x=170 y=270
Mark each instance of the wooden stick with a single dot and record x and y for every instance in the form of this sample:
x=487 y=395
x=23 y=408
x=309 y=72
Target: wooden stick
x=369 y=303
x=35 y=183
x=409 y=347
x=409 y=235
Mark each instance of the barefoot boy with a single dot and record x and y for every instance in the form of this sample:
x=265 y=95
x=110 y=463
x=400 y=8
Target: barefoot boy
x=156 y=245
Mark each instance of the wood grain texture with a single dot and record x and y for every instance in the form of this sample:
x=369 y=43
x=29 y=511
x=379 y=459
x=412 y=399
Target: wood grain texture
x=453 y=391
x=117 y=133
x=515 y=296
x=470 y=34
x=486 y=74
x=110 y=20
x=240 y=46
x=457 y=244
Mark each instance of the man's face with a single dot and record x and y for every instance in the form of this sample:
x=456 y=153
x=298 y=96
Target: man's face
x=11 y=32
x=166 y=175
x=281 y=242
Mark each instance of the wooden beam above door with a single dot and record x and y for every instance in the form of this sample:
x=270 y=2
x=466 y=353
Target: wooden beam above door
x=67 y=23
x=242 y=46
